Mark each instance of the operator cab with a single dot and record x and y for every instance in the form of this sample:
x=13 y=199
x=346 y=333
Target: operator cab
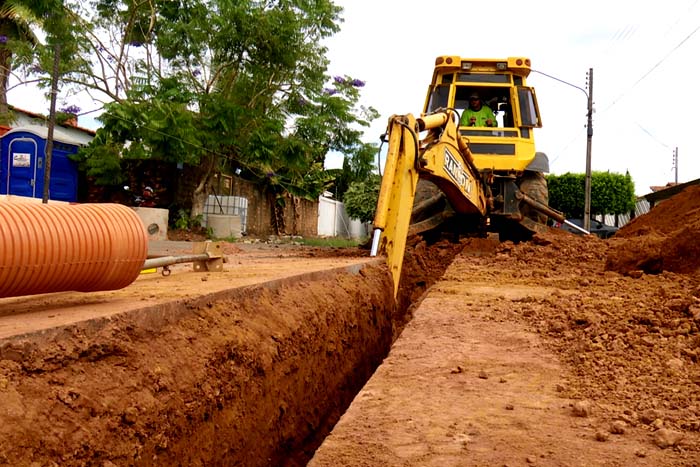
x=501 y=84
x=497 y=99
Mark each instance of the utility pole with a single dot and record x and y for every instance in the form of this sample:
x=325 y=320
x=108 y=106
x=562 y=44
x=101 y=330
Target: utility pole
x=589 y=140
x=52 y=124
x=675 y=163
x=589 y=128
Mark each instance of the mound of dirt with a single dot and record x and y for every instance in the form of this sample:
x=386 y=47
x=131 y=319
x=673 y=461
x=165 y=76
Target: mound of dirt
x=664 y=239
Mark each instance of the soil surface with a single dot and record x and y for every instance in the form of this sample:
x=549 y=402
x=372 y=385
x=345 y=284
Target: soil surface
x=565 y=350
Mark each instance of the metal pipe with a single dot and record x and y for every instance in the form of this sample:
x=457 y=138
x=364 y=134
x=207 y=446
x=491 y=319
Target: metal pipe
x=375 y=242
x=161 y=261
x=574 y=226
x=544 y=209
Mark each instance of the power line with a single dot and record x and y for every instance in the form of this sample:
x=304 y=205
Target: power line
x=645 y=75
x=652 y=136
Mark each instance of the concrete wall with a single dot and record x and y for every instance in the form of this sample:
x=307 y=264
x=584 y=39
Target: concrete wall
x=81 y=135
x=155 y=222
x=333 y=221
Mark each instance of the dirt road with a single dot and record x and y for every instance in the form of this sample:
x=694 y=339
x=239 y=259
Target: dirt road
x=534 y=355
x=562 y=351
x=565 y=351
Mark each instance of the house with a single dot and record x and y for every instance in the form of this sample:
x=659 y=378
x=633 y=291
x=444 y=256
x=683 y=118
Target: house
x=23 y=151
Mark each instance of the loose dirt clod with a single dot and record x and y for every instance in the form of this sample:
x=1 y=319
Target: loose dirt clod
x=665 y=438
x=618 y=427
x=582 y=408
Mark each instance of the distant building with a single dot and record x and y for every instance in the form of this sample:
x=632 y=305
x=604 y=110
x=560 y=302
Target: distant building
x=23 y=153
x=646 y=202
x=661 y=193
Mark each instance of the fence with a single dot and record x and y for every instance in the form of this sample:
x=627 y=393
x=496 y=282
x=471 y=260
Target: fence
x=333 y=221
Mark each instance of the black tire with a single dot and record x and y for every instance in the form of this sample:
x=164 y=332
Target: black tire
x=534 y=184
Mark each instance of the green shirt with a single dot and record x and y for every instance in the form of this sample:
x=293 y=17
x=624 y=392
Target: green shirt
x=481 y=115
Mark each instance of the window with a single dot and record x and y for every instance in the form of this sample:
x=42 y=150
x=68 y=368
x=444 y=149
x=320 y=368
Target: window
x=439 y=98
x=529 y=115
x=497 y=98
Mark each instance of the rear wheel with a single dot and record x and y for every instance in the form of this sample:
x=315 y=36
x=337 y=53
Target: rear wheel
x=534 y=184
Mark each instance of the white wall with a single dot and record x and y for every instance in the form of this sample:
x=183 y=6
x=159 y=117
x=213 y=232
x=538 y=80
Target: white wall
x=65 y=133
x=333 y=221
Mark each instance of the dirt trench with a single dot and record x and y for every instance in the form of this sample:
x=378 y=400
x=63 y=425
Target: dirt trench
x=253 y=376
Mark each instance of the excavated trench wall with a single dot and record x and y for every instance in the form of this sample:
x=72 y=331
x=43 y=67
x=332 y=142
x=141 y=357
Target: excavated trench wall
x=254 y=376
x=242 y=378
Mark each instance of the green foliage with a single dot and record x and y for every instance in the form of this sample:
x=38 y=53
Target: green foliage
x=610 y=193
x=361 y=198
x=185 y=222
x=104 y=163
x=64 y=117
x=34 y=57
x=218 y=83
x=357 y=166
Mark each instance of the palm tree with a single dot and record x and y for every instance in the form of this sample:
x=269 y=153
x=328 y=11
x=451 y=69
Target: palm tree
x=16 y=19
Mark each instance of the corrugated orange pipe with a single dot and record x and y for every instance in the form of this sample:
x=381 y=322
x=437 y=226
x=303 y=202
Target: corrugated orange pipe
x=60 y=247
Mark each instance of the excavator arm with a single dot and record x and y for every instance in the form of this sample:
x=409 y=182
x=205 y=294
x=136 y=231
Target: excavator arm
x=442 y=157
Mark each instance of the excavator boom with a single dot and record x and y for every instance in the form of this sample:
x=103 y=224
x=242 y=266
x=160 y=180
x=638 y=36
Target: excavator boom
x=441 y=157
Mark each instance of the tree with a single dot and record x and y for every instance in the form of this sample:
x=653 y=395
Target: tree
x=361 y=198
x=610 y=193
x=221 y=84
x=21 y=50
x=357 y=167
x=16 y=19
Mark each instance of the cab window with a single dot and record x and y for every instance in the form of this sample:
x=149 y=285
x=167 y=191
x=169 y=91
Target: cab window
x=439 y=98
x=529 y=114
x=497 y=98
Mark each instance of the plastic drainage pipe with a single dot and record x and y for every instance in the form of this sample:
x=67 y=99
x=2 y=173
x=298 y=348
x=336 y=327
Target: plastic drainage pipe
x=60 y=247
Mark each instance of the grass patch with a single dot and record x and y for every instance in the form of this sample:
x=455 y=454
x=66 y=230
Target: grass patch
x=330 y=242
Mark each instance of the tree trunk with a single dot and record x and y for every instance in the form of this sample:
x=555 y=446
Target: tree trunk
x=277 y=203
x=203 y=188
x=5 y=56
x=199 y=198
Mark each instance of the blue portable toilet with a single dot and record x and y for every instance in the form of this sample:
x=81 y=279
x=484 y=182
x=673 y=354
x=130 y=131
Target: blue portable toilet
x=22 y=163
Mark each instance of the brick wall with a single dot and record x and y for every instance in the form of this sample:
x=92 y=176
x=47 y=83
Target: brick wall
x=259 y=222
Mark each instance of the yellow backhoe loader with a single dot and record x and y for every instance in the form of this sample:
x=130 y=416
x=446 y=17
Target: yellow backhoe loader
x=468 y=164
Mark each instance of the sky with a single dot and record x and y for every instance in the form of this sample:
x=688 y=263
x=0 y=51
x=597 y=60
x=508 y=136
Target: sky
x=643 y=56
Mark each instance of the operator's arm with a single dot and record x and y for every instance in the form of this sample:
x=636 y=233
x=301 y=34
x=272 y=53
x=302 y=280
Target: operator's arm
x=488 y=116
x=466 y=115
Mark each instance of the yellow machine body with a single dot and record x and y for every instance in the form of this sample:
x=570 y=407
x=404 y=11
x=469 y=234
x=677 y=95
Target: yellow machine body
x=480 y=171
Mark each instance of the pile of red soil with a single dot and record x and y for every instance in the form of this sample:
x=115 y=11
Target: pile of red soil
x=664 y=239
